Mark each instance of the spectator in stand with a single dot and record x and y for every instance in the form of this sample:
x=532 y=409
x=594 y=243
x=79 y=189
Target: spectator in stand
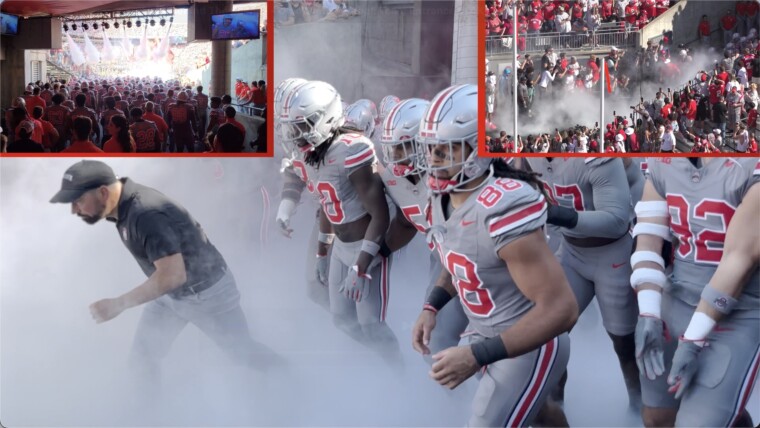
x=720 y=114
x=728 y=25
x=121 y=140
x=229 y=139
x=741 y=138
x=145 y=133
x=49 y=133
x=23 y=143
x=259 y=99
x=735 y=102
x=229 y=114
x=703 y=31
x=82 y=129
x=668 y=140
x=34 y=100
x=163 y=129
x=19 y=114
x=82 y=111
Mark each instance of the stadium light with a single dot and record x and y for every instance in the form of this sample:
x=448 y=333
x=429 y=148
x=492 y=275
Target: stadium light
x=65 y=28
x=152 y=22
x=129 y=24
x=94 y=25
x=73 y=27
x=139 y=23
x=116 y=25
x=162 y=22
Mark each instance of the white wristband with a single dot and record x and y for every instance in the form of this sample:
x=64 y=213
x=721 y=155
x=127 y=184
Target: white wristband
x=326 y=238
x=646 y=256
x=370 y=247
x=648 y=276
x=699 y=327
x=644 y=228
x=649 y=302
x=286 y=209
x=652 y=209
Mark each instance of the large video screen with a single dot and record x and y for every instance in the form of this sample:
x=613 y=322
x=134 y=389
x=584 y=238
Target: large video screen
x=237 y=25
x=8 y=24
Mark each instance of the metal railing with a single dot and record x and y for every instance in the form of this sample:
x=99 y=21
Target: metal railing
x=565 y=42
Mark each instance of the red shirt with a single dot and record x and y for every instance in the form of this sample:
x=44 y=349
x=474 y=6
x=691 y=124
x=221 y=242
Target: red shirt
x=751 y=9
x=665 y=112
x=728 y=22
x=33 y=101
x=577 y=11
x=114 y=146
x=82 y=147
x=752 y=118
x=606 y=10
x=691 y=113
x=704 y=28
x=163 y=128
x=715 y=90
x=237 y=124
x=549 y=10
x=649 y=7
x=50 y=134
x=259 y=97
x=741 y=8
x=535 y=24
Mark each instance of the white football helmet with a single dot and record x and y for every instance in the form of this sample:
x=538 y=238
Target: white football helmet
x=397 y=138
x=310 y=115
x=359 y=118
x=386 y=104
x=451 y=118
x=281 y=93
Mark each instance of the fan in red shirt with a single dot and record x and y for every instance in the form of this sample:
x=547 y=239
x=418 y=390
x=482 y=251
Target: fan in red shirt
x=229 y=114
x=607 y=10
x=751 y=9
x=82 y=127
x=534 y=24
x=121 y=141
x=631 y=13
x=577 y=11
x=649 y=6
x=662 y=7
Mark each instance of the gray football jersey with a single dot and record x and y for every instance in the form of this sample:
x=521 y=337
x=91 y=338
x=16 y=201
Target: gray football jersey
x=330 y=179
x=635 y=173
x=596 y=188
x=701 y=202
x=468 y=244
x=411 y=199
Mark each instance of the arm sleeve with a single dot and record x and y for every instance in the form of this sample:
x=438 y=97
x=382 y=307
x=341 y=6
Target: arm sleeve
x=516 y=214
x=157 y=235
x=360 y=152
x=292 y=185
x=612 y=201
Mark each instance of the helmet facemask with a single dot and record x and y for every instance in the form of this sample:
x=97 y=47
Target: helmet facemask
x=471 y=168
x=401 y=157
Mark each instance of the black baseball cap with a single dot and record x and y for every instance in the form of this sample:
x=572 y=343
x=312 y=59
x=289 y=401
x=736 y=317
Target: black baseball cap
x=82 y=177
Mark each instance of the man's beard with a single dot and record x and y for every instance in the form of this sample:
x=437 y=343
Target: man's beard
x=92 y=219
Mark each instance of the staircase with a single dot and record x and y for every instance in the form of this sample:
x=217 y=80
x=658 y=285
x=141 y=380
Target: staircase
x=54 y=71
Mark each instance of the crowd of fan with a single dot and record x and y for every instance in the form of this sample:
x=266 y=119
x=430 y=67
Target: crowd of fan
x=291 y=12
x=566 y=16
x=122 y=115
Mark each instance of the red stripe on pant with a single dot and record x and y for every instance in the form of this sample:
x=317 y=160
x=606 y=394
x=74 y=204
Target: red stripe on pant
x=383 y=289
x=544 y=367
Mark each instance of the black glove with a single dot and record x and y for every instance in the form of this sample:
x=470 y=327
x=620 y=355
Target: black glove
x=561 y=216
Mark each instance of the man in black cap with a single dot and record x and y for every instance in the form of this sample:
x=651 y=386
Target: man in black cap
x=188 y=279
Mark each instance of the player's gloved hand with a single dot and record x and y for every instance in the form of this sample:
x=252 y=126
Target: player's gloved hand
x=323 y=268
x=356 y=285
x=684 y=366
x=650 y=338
x=284 y=212
x=561 y=216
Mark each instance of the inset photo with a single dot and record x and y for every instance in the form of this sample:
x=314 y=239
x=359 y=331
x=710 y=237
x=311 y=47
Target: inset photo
x=620 y=77
x=158 y=78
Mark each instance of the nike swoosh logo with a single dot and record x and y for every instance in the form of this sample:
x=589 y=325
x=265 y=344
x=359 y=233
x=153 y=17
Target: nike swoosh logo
x=615 y=266
x=467 y=223
x=331 y=161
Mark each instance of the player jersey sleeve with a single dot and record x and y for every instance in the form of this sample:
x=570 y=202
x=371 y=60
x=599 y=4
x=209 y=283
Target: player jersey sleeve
x=156 y=235
x=752 y=168
x=292 y=185
x=612 y=201
x=654 y=174
x=360 y=152
x=514 y=213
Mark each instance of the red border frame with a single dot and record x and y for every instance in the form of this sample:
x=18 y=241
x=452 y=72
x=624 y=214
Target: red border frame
x=482 y=119
x=481 y=82
x=269 y=123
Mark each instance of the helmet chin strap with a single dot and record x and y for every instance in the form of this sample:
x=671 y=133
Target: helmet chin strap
x=451 y=185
